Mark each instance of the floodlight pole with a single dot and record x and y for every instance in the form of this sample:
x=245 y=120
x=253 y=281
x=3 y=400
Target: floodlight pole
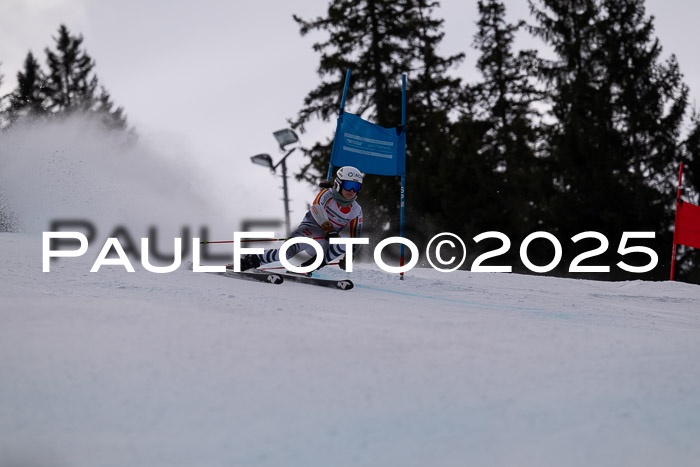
x=283 y=162
x=284 y=137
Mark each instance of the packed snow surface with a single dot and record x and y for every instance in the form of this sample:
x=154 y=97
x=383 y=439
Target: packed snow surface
x=122 y=369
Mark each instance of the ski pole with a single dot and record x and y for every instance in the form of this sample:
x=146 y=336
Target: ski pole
x=260 y=240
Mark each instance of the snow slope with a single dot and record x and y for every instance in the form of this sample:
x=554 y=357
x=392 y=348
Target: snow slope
x=459 y=369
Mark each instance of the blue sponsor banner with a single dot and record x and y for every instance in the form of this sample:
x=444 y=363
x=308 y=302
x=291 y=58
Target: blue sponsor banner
x=371 y=148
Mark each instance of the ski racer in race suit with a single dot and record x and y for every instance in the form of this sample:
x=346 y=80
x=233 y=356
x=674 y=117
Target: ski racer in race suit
x=333 y=210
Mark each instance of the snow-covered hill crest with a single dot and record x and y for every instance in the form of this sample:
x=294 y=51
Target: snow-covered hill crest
x=115 y=368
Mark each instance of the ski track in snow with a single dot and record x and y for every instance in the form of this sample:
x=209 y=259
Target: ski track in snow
x=189 y=369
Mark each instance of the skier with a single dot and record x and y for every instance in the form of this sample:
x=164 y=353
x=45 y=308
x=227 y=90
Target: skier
x=333 y=210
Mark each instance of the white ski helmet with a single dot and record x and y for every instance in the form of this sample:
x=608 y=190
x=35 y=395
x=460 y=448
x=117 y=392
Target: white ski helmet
x=348 y=177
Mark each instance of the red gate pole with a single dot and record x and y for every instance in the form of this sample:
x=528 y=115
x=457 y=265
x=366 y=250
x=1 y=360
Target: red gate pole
x=675 y=222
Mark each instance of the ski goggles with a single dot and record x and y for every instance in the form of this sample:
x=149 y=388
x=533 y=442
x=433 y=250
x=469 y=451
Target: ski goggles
x=350 y=185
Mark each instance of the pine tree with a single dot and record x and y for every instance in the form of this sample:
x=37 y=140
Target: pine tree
x=581 y=141
x=691 y=153
x=649 y=101
x=29 y=99
x=515 y=193
x=71 y=84
x=434 y=99
x=8 y=221
x=379 y=40
x=112 y=118
x=578 y=138
x=4 y=99
x=617 y=112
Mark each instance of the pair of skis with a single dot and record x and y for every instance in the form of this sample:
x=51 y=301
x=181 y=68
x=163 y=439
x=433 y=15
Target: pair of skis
x=278 y=278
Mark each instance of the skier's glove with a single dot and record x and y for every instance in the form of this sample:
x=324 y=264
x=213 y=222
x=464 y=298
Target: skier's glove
x=332 y=234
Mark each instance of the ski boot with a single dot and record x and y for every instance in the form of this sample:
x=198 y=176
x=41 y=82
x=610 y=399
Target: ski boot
x=249 y=262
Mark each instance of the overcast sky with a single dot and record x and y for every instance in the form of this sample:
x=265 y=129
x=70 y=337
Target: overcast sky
x=215 y=78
